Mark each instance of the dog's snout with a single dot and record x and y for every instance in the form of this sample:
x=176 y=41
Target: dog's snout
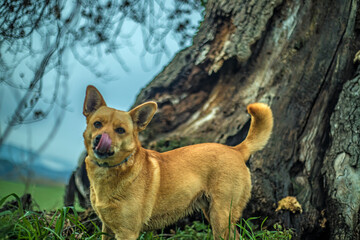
x=97 y=140
x=102 y=146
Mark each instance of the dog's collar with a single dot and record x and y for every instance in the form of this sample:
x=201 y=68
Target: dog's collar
x=106 y=165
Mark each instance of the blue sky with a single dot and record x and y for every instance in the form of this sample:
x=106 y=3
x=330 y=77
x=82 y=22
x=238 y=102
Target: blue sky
x=119 y=93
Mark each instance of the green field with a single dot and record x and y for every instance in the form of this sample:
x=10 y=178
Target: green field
x=47 y=197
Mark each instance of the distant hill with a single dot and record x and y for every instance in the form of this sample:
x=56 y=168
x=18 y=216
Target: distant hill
x=16 y=162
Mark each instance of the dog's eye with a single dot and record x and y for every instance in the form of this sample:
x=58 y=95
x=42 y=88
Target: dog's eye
x=97 y=124
x=120 y=130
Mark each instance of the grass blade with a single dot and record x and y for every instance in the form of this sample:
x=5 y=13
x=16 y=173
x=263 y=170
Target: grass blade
x=53 y=232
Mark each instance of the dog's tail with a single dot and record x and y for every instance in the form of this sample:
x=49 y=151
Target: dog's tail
x=260 y=128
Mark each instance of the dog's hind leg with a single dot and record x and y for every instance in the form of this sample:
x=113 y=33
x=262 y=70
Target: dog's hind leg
x=222 y=221
x=225 y=211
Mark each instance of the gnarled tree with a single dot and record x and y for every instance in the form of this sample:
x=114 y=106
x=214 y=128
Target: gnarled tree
x=297 y=56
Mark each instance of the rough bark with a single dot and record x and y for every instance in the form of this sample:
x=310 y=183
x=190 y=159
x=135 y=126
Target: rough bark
x=297 y=57
x=342 y=163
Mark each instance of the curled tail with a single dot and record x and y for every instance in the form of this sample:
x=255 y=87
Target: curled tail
x=260 y=128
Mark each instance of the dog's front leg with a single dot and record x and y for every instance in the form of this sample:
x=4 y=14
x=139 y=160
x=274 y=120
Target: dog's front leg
x=117 y=220
x=122 y=234
x=121 y=231
x=108 y=234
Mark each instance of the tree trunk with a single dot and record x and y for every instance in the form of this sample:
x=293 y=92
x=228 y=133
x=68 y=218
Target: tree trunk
x=297 y=56
x=341 y=168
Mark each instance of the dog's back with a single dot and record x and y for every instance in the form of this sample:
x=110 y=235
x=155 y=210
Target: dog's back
x=209 y=176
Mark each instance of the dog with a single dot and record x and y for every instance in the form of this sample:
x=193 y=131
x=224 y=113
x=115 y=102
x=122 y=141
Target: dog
x=133 y=189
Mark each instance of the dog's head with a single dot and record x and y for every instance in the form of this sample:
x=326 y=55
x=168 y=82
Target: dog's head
x=112 y=135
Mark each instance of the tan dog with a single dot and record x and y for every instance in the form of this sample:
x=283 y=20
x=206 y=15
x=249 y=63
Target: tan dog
x=135 y=189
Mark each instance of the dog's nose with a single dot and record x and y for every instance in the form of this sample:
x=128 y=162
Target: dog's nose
x=97 y=140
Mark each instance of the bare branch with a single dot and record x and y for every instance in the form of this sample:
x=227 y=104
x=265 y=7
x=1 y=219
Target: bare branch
x=22 y=109
x=91 y=31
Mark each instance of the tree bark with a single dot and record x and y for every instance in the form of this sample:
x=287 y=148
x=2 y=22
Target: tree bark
x=297 y=56
x=342 y=163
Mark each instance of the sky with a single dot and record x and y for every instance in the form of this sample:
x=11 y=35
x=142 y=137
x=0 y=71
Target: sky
x=119 y=93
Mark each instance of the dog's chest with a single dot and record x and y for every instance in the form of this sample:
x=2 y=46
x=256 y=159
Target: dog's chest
x=98 y=198
x=101 y=187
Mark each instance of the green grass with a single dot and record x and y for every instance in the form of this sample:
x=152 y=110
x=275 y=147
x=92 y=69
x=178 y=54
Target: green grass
x=17 y=223
x=248 y=230
x=66 y=223
x=47 y=197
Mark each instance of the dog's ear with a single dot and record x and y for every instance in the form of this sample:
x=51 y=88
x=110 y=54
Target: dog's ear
x=142 y=114
x=93 y=100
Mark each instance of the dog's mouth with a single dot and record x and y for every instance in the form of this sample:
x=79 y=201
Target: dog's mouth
x=102 y=146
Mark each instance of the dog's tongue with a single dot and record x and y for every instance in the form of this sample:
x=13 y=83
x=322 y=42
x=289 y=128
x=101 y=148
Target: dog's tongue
x=104 y=143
